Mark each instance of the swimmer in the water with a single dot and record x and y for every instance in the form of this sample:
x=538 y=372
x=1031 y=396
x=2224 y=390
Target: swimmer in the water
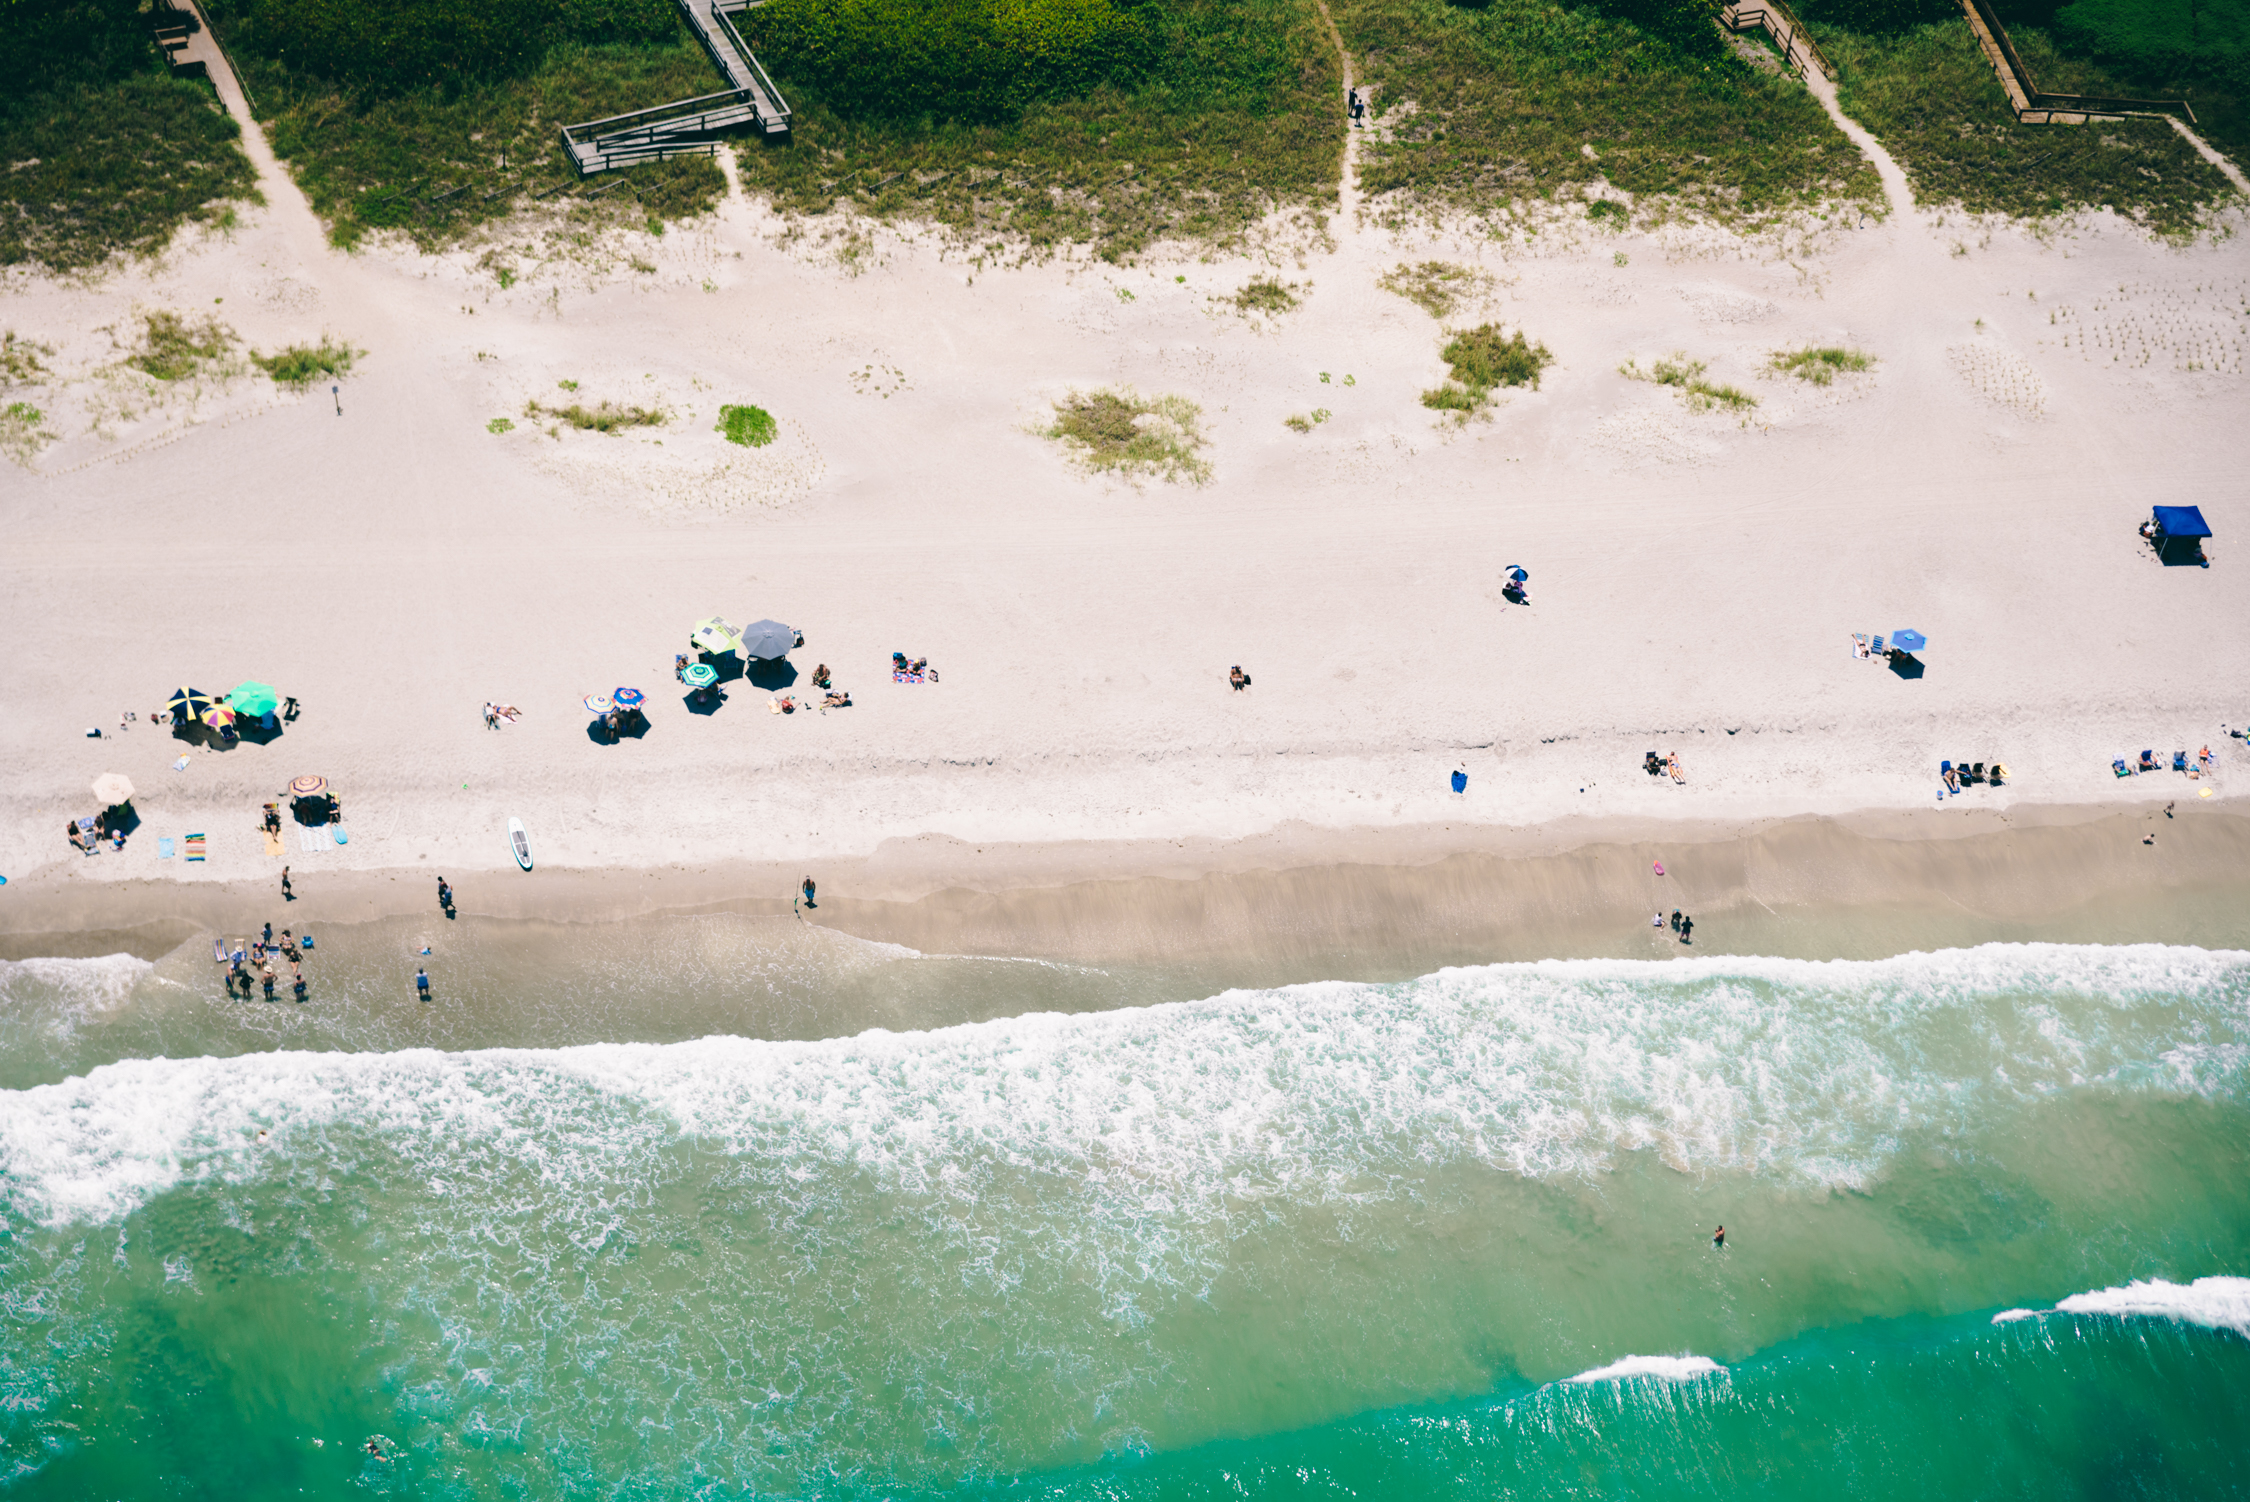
x=1719 y=1238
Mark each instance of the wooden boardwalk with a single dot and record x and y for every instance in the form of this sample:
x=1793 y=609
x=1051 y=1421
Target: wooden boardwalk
x=688 y=127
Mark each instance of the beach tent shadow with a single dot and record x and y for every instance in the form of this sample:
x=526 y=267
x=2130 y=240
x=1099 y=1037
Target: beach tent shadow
x=777 y=674
x=257 y=732
x=1906 y=666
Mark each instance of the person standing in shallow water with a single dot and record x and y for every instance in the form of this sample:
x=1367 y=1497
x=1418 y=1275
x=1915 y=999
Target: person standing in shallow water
x=421 y=983
x=1719 y=1239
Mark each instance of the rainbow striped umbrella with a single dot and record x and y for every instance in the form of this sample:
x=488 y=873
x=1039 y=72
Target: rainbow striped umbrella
x=628 y=698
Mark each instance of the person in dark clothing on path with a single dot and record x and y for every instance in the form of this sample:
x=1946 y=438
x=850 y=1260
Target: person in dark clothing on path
x=1355 y=107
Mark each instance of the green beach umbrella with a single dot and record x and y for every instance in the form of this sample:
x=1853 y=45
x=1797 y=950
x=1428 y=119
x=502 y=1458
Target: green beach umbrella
x=699 y=675
x=253 y=698
x=714 y=635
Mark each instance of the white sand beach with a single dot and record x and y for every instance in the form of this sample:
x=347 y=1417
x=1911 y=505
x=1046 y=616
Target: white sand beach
x=1695 y=578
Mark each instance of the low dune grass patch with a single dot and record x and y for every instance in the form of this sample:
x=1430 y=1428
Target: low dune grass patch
x=1819 y=365
x=1265 y=294
x=172 y=348
x=1686 y=377
x=1436 y=287
x=1124 y=432
x=1482 y=360
x=299 y=365
x=603 y=417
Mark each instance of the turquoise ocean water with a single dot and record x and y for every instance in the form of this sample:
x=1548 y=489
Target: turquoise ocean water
x=1988 y=1231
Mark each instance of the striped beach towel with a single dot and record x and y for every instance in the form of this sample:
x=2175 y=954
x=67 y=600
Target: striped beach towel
x=195 y=847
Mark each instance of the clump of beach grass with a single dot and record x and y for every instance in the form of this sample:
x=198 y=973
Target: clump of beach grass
x=1125 y=432
x=1265 y=294
x=606 y=417
x=173 y=349
x=499 y=425
x=752 y=427
x=299 y=365
x=1436 y=287
x=1686 y=377
x=1820 y=365
x=19 y=360
x=21 y=435
x=1305 y=422
x=1482 y=360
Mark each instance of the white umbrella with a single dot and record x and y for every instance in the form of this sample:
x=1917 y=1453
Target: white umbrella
x=113 y=788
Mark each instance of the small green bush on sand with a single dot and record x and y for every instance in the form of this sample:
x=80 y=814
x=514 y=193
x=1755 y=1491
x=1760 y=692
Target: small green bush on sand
x=1820 y=365
x=752 y=427
x=1481 y=360
x=299 y=365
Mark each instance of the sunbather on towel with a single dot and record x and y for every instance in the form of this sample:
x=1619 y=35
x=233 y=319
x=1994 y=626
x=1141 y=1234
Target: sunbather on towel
x=1672 y=765
x=837 y=699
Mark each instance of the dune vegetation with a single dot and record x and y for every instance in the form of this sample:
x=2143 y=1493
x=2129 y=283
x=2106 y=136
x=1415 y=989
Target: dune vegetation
x=1912 y=72
x=105 y=151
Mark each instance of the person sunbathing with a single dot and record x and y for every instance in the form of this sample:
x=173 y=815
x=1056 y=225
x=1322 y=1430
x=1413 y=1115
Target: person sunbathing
x=79 y=837
x=1672 y=765
x=1952 y=780
x=679 y=666
x=837 y=699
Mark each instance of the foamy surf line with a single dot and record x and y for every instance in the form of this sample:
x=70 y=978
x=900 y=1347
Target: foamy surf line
x=2215 y=1303
x=1685 y=1368
x=1803 y=1071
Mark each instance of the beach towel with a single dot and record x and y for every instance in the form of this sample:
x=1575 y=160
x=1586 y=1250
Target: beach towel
x=312 y=837
x=164 y=848
x=195 y=847
x=273 y=841
x=906 y=677
x=180 y=765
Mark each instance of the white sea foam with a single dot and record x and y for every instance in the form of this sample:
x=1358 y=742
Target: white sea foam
x=2010 y=1316
x=1802 y=1071
x=2214 y=1303
x=1660 y=1368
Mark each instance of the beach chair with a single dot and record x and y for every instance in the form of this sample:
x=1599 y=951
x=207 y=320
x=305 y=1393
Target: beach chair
x=1976 y=773
x=2148 y=759
x=1876 y=646
x=2118 y=766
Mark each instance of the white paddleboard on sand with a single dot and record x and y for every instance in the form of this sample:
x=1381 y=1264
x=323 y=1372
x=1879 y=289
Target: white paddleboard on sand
x=520 y=843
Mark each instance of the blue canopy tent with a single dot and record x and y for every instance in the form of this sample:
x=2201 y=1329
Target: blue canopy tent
x=2177 y=532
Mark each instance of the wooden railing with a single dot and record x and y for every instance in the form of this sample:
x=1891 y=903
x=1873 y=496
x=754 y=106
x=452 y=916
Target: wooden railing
x=2032 y=105
x=1788 y=33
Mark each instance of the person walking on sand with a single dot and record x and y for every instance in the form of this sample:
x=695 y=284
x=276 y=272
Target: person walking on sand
x=809 y=893
x=1355 y=107
x=421 y=983
x=1687 y=930
x=1675 y=920
x=286 y=894
x=444 y=897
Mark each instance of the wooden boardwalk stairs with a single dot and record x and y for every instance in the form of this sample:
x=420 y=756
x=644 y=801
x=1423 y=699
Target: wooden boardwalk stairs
x=2035 y=108
x=1788 y=33
x=688 y=127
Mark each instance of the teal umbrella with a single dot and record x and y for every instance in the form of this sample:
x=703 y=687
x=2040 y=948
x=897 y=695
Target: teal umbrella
x=699 y=675
x=253 y=698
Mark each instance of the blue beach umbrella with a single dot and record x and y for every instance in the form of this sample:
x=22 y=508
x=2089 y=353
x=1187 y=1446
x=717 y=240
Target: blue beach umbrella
x=628 y=698
x=1908 y=640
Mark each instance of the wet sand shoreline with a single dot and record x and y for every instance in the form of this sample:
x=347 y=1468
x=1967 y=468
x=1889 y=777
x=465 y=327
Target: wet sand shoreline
x=1302 y=904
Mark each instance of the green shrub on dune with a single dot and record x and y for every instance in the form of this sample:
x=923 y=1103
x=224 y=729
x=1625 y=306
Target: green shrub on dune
x=971 y=60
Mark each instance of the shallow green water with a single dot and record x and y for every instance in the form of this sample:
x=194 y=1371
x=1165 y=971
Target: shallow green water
x=1336 y=1239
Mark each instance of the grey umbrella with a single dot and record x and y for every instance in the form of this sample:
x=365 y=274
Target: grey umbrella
x=767 y=641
